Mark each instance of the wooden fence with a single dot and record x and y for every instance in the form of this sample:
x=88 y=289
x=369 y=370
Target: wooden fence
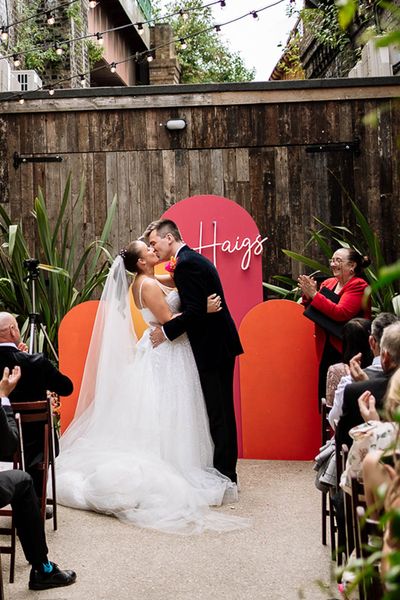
x=285 y=151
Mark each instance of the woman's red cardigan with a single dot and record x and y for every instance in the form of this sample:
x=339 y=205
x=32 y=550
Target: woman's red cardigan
x=348 y=307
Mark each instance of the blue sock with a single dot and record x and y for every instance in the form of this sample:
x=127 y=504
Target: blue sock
x=47 y=567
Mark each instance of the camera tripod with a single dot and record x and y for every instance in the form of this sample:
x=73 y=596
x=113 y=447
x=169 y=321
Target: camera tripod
x=32 y=265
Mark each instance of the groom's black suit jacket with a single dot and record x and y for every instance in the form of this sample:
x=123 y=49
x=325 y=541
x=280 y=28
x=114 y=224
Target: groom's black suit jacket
x=38 y=375
x=213 y=337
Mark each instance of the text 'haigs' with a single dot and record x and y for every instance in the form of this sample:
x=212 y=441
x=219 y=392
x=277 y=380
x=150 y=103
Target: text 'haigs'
x=248 y=247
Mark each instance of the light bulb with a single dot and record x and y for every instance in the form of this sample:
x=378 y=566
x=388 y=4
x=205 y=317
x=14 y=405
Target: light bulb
x=59 y=50
x=150 y=57
x=183 y=44
x=184 y=15
x=92 y=4
x=255 y=15
x=82 y=77
x=50 y=18
x=100 y=39
x=51 y=91
x=140 y=28
x=16 y=60
x=222 y=3
x=4 y=34
x=21 y=100
x=217 y=28
x=113 y=67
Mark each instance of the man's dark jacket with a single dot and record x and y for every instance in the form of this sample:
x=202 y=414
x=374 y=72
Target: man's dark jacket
x=213 y=337
x=351 y=413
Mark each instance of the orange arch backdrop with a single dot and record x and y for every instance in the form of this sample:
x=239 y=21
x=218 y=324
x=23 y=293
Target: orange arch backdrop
x=278 y=383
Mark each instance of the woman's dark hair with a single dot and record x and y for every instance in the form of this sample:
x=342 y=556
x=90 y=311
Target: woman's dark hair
x=131 y=255
x=356 y=334
x=362 y=262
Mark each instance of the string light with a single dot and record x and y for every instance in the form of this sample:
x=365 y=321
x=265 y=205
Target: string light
x=82 y=77
x=51 y=91
x=100 y=39
x=21 y=99
x=16 y=60
x=218 y=28
x=146 y=54
x=50 y=18
x=255 y=15
x=140 y=28
x=222 y=3
x=183 y=44
x=113 y=67
x=92 y=4
x=4 y=34
x=183 y=14
x=58 y=50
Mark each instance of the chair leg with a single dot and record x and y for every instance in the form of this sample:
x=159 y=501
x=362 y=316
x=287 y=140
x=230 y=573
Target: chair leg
x=2 y=597
x=332 y=527
x=324 y=515
x=13 y=549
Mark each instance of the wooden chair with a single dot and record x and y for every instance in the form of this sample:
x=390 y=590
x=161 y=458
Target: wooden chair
x=370 y=588
x=18 y=463
x=41 y=412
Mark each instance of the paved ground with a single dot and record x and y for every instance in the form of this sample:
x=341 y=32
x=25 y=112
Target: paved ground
x=280 y=557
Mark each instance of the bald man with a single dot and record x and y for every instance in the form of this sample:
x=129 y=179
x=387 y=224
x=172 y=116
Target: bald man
x=38 y=375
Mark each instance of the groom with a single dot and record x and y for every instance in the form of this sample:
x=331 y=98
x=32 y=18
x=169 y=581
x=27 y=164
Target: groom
x=214 y=339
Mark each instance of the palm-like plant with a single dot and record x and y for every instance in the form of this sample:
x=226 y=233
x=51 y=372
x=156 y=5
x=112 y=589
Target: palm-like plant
x=64 y=280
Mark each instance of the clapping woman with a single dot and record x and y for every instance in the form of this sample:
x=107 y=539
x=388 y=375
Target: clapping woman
x=339 y=299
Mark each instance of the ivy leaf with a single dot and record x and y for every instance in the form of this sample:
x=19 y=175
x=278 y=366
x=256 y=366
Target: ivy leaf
x=347 y=12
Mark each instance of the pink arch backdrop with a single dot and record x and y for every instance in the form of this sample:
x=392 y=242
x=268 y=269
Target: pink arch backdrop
x=275 y=393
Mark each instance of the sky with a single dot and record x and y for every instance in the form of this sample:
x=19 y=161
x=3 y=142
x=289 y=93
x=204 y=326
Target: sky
x=256 y=39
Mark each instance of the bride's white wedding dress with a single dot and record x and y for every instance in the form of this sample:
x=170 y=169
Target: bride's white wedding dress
x=139 y=447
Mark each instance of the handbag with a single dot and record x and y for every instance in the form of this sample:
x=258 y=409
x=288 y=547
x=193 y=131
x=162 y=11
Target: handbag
x=328 y=324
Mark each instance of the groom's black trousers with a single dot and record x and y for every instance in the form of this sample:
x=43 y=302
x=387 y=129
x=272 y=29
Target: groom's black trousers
x=16 y=488
x=217 y=385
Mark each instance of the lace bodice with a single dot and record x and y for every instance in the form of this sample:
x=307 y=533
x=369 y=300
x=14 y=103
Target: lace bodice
x=171 y=297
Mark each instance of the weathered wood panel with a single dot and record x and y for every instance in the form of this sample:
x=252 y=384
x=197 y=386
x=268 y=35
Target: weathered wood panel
x=251 y=152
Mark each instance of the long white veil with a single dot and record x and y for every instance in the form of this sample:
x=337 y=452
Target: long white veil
x=111 y=350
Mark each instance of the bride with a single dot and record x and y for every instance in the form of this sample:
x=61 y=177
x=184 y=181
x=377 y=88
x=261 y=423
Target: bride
x=139 y=446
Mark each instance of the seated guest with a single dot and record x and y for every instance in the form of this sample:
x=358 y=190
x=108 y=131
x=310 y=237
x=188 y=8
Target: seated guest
x=374 y=434
x=38 y=375
x=390 y=359
x=358 y=370
x=339 y=299
x=356 y=334
x=16 y=488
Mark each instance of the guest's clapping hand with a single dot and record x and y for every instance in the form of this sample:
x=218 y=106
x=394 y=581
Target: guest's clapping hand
x=356 y=372
x=366 y=404
x=308 y=286
x=9 y=380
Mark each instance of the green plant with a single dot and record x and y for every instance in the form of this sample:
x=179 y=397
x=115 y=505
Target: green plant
x=64 y=279
x=382 y=278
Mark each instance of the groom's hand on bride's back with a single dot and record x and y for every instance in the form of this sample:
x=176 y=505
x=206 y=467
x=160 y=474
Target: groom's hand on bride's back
x=157 y=335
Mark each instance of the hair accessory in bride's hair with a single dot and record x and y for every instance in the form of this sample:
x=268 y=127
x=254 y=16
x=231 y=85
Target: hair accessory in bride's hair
x=122 y=253
x=171 y=265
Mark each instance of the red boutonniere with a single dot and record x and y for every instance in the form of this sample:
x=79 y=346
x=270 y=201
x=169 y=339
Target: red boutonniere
x=171 y=265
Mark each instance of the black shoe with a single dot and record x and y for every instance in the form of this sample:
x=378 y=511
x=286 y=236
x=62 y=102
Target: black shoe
x=49 y=512
x=57 y=578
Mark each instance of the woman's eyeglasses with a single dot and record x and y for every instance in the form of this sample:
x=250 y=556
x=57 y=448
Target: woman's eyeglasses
x=337 y=261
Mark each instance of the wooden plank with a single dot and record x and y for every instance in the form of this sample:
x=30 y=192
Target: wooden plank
x=123 y=199
x=217 y=175
x=182 y=175
x=194 y=173
x=136 y=225
x=242 y=164
x=228 y=98
x=99 y=191
x=112 y=188
x=168 y=178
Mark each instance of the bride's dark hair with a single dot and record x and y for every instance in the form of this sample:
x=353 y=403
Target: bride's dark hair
x=131 y=255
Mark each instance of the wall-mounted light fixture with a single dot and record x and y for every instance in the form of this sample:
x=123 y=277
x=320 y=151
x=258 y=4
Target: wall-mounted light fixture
x=175 y=124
